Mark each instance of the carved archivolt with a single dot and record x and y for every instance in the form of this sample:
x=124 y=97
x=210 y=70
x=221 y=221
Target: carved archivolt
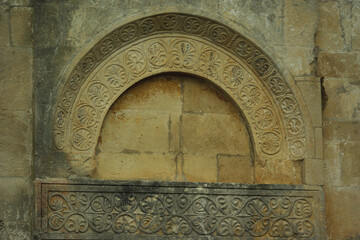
x=179 y=43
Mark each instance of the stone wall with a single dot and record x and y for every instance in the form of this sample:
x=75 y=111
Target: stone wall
x=269 y=24
x=338 y=39
x=16 y=119
x=308 y=40
x=175 y=128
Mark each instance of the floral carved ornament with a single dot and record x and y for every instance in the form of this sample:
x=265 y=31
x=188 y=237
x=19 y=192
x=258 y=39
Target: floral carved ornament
x=195 y=46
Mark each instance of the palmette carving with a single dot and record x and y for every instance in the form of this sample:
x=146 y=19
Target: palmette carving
x=184 y=53
x=177 y=214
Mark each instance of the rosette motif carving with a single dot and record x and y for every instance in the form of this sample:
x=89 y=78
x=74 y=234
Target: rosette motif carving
x=197 y=46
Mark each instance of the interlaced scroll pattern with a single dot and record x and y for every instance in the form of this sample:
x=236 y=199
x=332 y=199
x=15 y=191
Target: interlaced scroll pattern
x=178 y=210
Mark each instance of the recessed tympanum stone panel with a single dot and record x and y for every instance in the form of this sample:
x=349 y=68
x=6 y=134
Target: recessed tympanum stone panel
x=192 y=45
x=159 y=210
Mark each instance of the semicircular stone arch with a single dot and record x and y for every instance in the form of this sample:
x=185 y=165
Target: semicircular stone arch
x=186 y=44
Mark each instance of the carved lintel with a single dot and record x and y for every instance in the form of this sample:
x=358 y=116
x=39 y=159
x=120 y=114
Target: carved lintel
x=158 y=210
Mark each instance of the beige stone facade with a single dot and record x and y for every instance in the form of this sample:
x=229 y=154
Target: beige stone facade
x=257 y=92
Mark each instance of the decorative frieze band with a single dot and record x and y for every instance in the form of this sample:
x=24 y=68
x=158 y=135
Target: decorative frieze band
x=183 y=43
x=114 y=210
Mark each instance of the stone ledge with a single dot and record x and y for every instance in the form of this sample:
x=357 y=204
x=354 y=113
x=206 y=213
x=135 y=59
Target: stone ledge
x=161 y=210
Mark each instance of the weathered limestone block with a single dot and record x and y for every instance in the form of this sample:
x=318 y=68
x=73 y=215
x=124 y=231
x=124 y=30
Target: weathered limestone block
x=16 y=78
x=319 y=143
x=355 y=43
x=338 y=137
x=341 y=131
x=311 y=93
x=135 y=131
x=342 y=213
x=15 y=143
x=159 y=118
x=330 y=34
x=21 y=2
x=200 y=168
x=214 y=133
x=136 y=166
x=314 y=172
x=271 y=171
x=339 y=65
x=202 y=97
x=15 y=209
x=300 y=18
x=298 y=59
x=343 y=98
x=21 y=26
x=159 y=93
x=263 y=17
x=47 y=16
x=4 y=26
x=351 y=164
x=235 y=169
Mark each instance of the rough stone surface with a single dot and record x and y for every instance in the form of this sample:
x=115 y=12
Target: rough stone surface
x=312 y=96
x=338 y=63
x=344 y=102
x=16 y=208
x=174 y=127
x=16 y=78
x=15 y=144
x=214 y=133
x=299 y=19
x=136 y=166
x=305 y=39
x=314 y=172
x=21 y=29
x=342 y=213
x=235 y=169
x=200 y=168
x=4 y=26
x=16 y=122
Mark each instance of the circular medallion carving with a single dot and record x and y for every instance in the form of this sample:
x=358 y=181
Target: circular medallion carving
x=75 y=81
x=276 y=85
x=210 y=62
x=294 y=126
x=83 y=139
x=288 y=104
x=135 y=60
x=270 y=143
x=193 y=25
x=183 y=54
x=148 y=26
x=243 y=48
x=232 y=76
x=107 y=46
x=219 y=34
x=157 y=54
x=99 y=95
x=297 y=148
x=86 y=115
x=128 y=32
x=190 y=49
x=115 y=75
x=250 y=96
x=170 y=21
x=264 y=118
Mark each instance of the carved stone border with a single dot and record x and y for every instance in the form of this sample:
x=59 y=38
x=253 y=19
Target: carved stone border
x=155 y=210
x=97 y=81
